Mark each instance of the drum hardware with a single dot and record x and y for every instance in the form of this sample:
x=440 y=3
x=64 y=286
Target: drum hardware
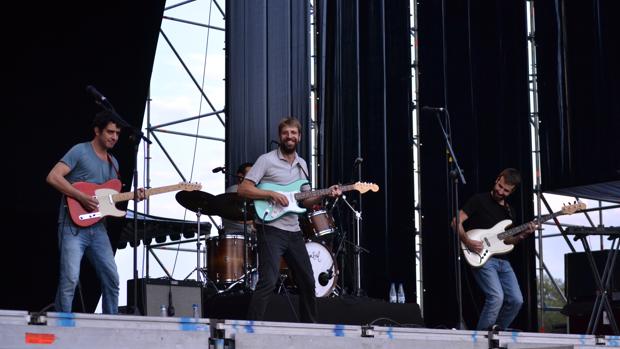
x=234 y=207
x=357 y=249
x=232 y=268
x=225 y=258
x=282 y=282
x=198 y=202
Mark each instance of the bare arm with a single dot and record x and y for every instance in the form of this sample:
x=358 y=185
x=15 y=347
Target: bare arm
x=248 y=189
x=473 y=245
x=56 y=178
x=513 y=240
x=334 y=191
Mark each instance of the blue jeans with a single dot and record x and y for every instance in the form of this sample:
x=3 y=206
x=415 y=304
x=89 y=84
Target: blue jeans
x=503 y=297
x=93 y=241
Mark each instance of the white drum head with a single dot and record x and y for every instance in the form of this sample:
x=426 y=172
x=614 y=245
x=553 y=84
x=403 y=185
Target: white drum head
x=322 y=261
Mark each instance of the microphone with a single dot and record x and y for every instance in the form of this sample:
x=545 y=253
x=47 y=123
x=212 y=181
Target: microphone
x=356 y=163
x=275 y=142
x=219 y=169
x=98 y=96
x=324 y=277
x=439 y=109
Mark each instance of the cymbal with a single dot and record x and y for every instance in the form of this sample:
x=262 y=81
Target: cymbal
x=230 y=206
x=196 y=201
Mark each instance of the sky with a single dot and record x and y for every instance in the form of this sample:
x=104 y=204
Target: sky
x=174 y=96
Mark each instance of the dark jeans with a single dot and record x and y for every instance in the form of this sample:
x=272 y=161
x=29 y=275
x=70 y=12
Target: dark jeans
x=272 y=244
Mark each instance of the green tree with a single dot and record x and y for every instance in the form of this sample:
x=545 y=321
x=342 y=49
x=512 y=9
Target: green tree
x=554 y=321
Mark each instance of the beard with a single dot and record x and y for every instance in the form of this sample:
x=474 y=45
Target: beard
x=287 y=149
x=496 y=196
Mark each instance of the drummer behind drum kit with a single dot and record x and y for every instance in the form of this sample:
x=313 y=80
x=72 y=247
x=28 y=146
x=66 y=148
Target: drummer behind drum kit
x=231 y=259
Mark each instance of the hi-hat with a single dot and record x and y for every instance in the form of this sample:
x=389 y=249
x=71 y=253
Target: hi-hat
x=230 y=206
x=196 y=201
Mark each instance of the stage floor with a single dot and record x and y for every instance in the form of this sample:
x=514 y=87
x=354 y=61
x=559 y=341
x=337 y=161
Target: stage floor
x=20 y=329
x=346 y=310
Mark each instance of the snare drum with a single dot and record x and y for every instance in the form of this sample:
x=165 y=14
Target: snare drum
x=225 y=257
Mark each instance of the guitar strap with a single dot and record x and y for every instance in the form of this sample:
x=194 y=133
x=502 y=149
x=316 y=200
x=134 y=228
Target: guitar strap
x=118 y=174
x=509 y=212
x=303 y=171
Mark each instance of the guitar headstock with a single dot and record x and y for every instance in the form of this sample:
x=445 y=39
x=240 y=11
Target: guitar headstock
x=572 y=208
x=363 y=187
x=186 y=186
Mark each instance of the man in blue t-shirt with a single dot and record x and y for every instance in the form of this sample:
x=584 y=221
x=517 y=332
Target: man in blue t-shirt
x=87 y=162
x=495 y=278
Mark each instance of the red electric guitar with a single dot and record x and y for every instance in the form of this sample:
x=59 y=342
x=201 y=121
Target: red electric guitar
x=108 y=195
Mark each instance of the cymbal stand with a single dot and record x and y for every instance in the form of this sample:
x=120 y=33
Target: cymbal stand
x=198 y=269
x=246 y=244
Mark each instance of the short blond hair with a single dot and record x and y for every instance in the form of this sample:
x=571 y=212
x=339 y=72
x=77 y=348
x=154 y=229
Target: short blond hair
x=290 y=122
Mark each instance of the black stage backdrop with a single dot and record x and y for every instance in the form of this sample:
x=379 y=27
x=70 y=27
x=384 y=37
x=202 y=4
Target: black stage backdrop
x=267 y=76
x=54 y=51
x=579 y=83
x=364 y=90
x=484 y=87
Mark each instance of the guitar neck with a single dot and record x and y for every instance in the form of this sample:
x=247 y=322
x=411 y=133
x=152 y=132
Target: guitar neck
x=130 y=194
x=520 y=228
x=320 y=193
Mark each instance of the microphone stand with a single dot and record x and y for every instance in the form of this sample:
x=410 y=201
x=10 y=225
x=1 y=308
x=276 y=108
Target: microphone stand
x=357 y=249
x=455 y=174
x=135 y=136
x=357 y=291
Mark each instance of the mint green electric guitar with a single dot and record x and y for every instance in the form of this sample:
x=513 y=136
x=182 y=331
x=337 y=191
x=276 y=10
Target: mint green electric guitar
x=270 y=211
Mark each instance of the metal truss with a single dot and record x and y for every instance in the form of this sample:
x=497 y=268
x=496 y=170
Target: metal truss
x=168 y=149
x=153 y=130
x=413 y=23
x=541 y=200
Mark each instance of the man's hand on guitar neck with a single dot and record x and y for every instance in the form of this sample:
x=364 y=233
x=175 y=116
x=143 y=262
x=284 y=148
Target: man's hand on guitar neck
x=334 y=191
x=531 y=227
x=141 y=194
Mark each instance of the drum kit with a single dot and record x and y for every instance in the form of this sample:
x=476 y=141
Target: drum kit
x=231 y=259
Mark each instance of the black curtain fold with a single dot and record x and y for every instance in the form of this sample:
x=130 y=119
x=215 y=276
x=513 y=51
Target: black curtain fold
x=58 y=50
x=578 y=84
x=366 y=113
x=267 y=76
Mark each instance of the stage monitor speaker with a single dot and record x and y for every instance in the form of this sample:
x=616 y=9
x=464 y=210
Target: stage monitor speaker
x=153 y=293
x=579 y=277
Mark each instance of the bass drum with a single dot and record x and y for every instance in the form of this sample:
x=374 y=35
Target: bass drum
x=322 y=261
